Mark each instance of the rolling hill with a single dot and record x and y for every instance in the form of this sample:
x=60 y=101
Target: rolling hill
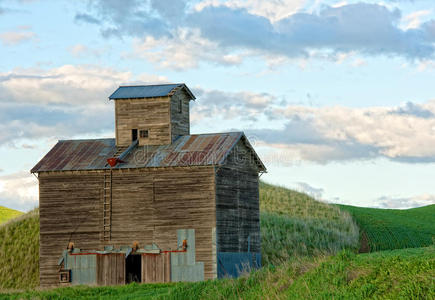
x=303 y=257
x=19 y=252
x=7 y=214
x=294 y=223
x=385 y=229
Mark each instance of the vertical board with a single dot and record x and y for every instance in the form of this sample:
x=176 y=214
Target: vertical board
x=111 y=269
x=156 y=268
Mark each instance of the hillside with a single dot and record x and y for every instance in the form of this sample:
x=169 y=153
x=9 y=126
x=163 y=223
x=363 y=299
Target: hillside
x=399 y=274
x=293 y=223
x=19 y=252
x=384 y=229
x=7 y=214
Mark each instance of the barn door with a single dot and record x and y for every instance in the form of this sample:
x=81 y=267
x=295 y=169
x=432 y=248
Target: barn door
x=111 y=269
x=156 y=267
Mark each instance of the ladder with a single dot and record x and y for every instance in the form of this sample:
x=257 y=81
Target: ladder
x=107 y=206
x=119 y=151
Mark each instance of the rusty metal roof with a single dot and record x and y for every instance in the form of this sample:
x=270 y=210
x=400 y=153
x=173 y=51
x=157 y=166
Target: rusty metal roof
x=148 y=91
x=189 y=150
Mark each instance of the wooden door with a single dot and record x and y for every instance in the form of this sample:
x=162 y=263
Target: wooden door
x=156 y=267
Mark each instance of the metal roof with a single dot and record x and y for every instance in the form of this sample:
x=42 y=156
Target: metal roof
x=188 y=150
x=148 y=91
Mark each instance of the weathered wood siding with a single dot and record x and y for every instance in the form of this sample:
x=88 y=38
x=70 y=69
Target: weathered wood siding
x=148 y=206
x=110 y=269
x=237 y=203
x=152 y=114
x=180 y=124
x=69 y=209
x=156 y=268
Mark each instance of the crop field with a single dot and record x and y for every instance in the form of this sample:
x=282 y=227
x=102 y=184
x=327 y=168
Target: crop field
x=7 y=214
x=384 y=229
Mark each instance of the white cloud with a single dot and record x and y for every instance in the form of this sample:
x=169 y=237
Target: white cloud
x=326 y=134
x=12 y=38
x=226 y=105
x=316 y=193
x=224 y=32
x=68 y=84
x=273 y=10
x=19 y=191
x=405 y=202
x=80 y=50
x=184 y=50
x=414 y=19
x=60 y=102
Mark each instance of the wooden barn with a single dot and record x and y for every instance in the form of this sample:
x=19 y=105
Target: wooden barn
x=155 y=204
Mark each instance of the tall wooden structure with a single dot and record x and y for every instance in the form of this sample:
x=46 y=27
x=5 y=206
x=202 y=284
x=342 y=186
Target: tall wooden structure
x=135 y=194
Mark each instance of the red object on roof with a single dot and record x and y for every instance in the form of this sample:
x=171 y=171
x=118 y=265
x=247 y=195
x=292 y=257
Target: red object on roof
x=112 y=161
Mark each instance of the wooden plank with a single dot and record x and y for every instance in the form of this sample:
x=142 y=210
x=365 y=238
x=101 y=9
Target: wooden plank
x=167 y=258
x=150 y=114
x=71 y=210
x=237 y=203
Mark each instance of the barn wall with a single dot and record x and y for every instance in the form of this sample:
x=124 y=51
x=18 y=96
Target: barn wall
x=152 y=114
x=237 y=203
x=180 y=124
x=148 y=206
x=67 y=204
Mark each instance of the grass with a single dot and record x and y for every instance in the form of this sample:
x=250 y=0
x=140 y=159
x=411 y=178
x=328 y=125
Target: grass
x=399 y=274
x=7 y=214
x=299 y=235
x=385 y=229
x=294 y=223
x=19 y=252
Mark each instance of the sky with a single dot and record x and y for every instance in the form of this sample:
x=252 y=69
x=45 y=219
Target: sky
x=337 y=97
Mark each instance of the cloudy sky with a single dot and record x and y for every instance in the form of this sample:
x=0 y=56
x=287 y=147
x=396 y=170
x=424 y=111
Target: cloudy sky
x=338 y=97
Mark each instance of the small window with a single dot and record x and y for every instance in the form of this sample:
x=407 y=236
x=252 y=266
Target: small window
x=133 y=135
x=65 y=276
x=144 y=133
x=180 y=106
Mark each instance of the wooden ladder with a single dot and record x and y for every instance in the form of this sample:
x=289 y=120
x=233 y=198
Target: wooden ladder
x=107 y=206
x=119 y=151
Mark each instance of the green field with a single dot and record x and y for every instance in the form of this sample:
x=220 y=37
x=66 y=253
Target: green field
x=384 y=229
x=7 y=214
x=399 y=274
x=303 y=257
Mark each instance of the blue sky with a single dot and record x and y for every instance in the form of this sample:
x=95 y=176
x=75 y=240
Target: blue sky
x=337 y=96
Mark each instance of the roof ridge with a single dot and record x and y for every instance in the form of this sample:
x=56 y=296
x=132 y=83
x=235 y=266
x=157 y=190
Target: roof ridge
x=77 y=140
x=139 y=85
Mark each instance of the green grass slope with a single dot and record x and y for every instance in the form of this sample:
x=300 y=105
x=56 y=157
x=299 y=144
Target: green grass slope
x=398 y=274
x=384 y=229
x=294 y=223
x=7 y=214
x=19 y=252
